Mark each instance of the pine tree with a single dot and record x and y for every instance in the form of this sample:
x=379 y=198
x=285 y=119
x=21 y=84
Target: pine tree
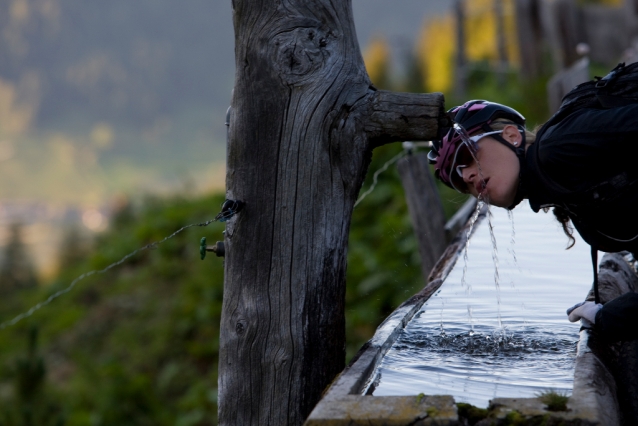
x=73 y=248
x=16 y=270
x=31 y=404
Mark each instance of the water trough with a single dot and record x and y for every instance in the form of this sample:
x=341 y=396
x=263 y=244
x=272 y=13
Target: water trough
x=599 y=377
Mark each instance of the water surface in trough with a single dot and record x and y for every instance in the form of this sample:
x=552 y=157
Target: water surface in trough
x=456 y=346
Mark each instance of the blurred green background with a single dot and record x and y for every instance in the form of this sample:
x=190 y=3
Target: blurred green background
x=107 y=111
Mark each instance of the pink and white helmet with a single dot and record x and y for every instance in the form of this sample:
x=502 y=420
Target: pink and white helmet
x=471 y=116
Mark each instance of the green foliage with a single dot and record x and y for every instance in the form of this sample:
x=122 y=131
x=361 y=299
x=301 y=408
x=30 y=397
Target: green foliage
x=31 y=402
x=470 y=413
x=30 y=371
x=74 y=247
x=555 y=401
x=16 y=268
x=138 y=344
x=527 y=97
x=514 y=418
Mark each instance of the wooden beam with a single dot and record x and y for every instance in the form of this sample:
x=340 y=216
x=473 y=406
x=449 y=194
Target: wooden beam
x=426 y=209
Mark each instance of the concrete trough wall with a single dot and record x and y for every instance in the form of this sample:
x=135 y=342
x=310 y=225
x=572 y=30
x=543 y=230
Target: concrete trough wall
x=605 y=387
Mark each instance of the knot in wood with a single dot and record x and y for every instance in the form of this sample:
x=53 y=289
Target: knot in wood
x=299 y=53
x=240 y=327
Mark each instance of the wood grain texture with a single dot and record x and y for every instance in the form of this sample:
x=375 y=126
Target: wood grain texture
x=302 y=129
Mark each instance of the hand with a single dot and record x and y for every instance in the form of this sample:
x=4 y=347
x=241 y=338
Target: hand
x=585 y=312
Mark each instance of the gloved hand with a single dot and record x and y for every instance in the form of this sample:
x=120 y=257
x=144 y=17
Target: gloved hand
x=585 y=312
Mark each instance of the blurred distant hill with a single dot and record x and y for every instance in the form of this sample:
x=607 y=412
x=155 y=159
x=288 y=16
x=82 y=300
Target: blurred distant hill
x=125 y=62
x=117 y=61
x=129 y=97
x=101 y=99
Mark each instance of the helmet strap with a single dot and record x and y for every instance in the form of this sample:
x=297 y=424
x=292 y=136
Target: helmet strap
x=520 y=154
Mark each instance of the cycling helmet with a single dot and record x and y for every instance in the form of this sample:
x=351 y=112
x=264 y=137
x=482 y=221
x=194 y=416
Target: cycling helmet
x=473 y=116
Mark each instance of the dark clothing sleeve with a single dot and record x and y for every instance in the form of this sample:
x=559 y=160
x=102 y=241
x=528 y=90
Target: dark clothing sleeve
x=618 y=319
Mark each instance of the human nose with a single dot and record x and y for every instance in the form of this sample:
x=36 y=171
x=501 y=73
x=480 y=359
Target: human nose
x=468 y=174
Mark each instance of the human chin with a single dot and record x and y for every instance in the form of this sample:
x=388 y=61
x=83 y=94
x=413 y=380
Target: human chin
x=500 y=196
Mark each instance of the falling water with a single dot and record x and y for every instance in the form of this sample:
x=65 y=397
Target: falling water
x=512 y=250
x=464 y=283
x=473 y=220
x=529 y=350
x=497 y=285
x=470 y=229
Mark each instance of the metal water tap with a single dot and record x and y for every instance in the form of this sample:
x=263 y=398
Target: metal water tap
x=218 y=248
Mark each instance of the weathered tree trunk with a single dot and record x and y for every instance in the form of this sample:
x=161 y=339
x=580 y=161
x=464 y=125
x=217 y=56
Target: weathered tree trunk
x=304 y=121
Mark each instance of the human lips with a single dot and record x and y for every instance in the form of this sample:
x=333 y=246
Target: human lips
x=481 y=185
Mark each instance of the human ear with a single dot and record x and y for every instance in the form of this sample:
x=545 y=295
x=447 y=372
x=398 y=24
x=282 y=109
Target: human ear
x=512 y=134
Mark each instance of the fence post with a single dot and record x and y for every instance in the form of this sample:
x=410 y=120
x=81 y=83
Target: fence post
x=461 y=63
x=426 y=209
x=564 y=81
x=530 y=40
x=501 y=42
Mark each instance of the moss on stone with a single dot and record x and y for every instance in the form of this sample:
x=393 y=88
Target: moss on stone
x=471 y=413
x=555 y=401
x=515 y=419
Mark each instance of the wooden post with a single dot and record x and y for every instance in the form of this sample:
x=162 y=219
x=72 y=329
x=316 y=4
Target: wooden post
x=426 y=209
x=609 y=31
x=560 y=22
x=528 y=26
x=501 y=43
x=305 y=118
x=460 y=84
x=564 y=81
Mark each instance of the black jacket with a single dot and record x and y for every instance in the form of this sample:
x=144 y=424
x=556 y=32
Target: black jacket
x=588 y=164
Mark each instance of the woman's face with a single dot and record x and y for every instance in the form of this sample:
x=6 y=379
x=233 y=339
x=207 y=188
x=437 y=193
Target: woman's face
x=495 y=176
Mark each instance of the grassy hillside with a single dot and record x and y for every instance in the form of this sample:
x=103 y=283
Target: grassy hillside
x=138 y=345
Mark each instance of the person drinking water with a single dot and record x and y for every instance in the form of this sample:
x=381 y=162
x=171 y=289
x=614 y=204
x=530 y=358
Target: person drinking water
x=584 y=167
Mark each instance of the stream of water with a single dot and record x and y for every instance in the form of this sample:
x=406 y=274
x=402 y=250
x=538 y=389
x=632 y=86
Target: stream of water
x=476 y=339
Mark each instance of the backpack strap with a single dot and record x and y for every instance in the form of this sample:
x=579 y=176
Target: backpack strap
x=594 y=261
x=611 y=101
x=609 y=78
x=605 y=85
